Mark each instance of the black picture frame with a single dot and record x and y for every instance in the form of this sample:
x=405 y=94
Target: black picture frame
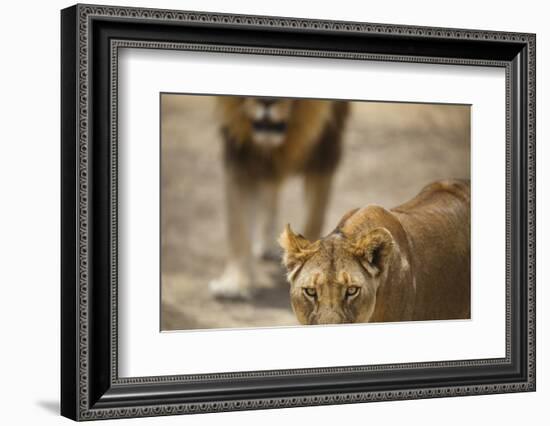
x=90 y=386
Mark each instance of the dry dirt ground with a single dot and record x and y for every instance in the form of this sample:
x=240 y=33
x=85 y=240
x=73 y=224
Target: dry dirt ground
x=391 y=150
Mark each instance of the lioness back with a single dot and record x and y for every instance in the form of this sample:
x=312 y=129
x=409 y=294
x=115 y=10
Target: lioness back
x=437 y=222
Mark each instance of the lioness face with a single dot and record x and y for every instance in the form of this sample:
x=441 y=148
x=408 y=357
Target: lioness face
x=269 y=119
x=335 y=280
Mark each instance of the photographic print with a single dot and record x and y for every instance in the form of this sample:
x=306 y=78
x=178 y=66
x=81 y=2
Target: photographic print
x=343 y=182
x=290 y=212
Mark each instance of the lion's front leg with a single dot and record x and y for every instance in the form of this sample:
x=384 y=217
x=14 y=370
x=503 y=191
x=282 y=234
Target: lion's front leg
x=237 y=277
x=317 y=193
x=264 y=245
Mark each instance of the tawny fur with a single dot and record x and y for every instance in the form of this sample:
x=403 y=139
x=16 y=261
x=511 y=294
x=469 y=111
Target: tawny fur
x=309 y=120
x=408 y=263
x=309 y=144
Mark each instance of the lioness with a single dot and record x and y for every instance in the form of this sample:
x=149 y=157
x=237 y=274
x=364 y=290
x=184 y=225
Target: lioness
x=408 y=263
x=265 y=141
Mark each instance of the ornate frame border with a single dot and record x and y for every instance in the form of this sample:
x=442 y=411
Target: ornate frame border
x=85 y=14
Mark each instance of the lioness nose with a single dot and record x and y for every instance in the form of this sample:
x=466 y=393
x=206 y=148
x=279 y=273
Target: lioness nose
x=330 y=317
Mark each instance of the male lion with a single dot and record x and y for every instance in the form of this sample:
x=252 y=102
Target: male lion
x=265 y=141
x=408 y=263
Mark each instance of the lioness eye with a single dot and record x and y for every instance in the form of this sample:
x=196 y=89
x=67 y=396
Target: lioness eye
x=352 y=291
x=310 y=291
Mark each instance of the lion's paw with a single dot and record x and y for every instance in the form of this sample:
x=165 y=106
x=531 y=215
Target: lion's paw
x=231 y=286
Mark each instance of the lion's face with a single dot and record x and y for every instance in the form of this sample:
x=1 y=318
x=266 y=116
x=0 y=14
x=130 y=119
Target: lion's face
x=335 y=280
x=271 y=123
x=269 y=119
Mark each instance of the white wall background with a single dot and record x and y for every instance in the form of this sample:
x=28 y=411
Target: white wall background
x=29 y=211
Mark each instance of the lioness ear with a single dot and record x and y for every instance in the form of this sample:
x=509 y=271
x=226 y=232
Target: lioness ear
x=296 y=248
x=374 y=249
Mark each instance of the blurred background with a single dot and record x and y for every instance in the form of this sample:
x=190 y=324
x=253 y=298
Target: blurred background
x=390 y=151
